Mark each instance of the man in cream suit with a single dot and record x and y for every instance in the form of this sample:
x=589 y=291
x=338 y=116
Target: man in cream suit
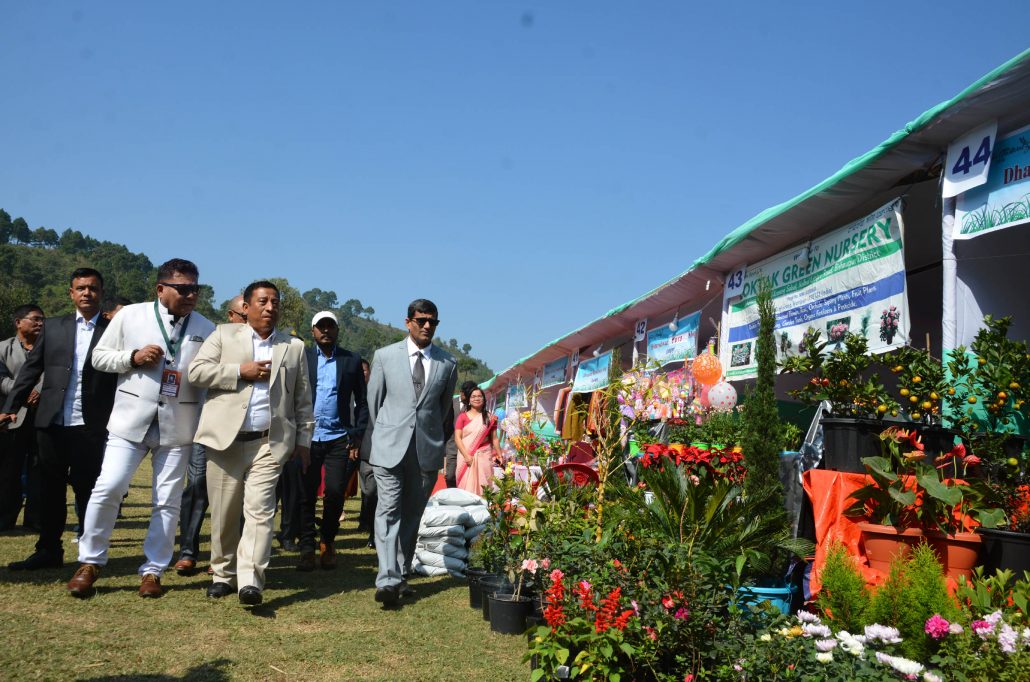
x=409 y=402
x=258 y=415
x=148 y=345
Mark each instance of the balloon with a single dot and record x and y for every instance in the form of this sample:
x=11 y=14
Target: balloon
x=702 y=397
x=499 y=413
x=706 y=369
x=722 y=397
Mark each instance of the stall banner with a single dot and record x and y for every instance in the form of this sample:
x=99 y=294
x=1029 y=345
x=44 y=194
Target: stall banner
x=1004 y=200
x=666 y=345
x=517 y=397
x=592 y=374
x=555 y=372
x=850 y=280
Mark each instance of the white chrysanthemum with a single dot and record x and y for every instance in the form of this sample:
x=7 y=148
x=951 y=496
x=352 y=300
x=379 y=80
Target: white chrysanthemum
x=816 y=630
x=882 y=633
x=766 y=637
x=956 y=629
x=824 y=657
x=806 y=617
x=825 y=645
x=902 y=665
x=1007 y=638
x=994 y=618
x=1026 y=636
x=932 y=677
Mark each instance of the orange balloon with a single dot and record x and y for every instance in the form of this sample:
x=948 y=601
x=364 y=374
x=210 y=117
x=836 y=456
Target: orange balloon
x=706 y=369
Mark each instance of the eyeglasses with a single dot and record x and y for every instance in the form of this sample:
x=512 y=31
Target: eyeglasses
x=423 y=321
x=182 y=289
x=34 y=318
x=238 y=314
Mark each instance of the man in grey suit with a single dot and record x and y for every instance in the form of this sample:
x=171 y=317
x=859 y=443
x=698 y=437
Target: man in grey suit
x=409 y=403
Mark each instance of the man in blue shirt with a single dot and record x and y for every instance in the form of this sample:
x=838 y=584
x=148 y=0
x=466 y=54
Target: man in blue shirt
x=336 y=381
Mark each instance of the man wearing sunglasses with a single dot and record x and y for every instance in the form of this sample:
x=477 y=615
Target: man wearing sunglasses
x=156 y=409
x=409 y=403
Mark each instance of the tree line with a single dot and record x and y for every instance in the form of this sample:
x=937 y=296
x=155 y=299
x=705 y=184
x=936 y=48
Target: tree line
x=35 y=264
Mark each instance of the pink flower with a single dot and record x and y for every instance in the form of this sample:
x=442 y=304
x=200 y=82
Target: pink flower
x=971 y=459
x=545 y=564
x=936 y=626
x=556 y=575
x=982 y=628
x=689 y=677
x=651 y=632
x=636 y=607
x=681 y=613
x=530 y=565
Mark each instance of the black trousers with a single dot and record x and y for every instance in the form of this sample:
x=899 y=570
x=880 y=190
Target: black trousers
x=194 y=504
x=67 y=454
x=289 y=493
x=339 y=467
x=19 y=476
x=369 y=498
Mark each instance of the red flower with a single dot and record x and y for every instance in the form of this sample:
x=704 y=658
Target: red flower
x=585 y=595
x=554 y=597
x=623 y=620
x=606 y=614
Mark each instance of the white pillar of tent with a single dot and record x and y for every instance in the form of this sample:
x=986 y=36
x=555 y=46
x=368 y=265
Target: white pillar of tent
x=949 y=271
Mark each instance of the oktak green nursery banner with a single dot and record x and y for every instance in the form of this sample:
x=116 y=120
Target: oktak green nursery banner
x=850 y=280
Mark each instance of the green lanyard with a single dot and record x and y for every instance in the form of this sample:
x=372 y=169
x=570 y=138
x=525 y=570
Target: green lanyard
x=172 y=346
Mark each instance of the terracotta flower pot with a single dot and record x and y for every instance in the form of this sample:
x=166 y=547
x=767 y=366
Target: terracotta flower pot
x=882 y=543
x=958 y=553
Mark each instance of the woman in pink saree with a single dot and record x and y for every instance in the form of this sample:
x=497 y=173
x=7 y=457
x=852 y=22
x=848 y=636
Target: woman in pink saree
x=475 y=434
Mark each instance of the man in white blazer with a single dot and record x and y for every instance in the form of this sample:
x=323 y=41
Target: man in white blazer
x=409 y=402
x=257 y=416
x=156 y=409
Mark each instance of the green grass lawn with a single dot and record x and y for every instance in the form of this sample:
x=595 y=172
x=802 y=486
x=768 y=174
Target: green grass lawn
x=312 y=626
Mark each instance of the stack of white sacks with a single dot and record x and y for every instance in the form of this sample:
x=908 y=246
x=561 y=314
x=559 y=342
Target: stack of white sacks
x=452 y=520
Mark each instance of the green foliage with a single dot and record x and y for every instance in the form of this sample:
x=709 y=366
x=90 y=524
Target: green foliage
x=843 y=598
x=915 y=589
x=983 y=595
x=792 y=436
x=761 y=431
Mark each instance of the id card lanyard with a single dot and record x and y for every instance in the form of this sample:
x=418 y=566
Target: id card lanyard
x=171 y=379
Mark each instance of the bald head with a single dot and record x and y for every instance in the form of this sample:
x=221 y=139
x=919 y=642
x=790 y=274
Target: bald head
x=235 y=310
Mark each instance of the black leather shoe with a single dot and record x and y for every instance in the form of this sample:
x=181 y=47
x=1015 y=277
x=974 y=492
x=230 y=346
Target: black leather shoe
x=219 y=590
x=406 y=590
x=387 y=596
x=289 y=546
x=370 y=544
x=250 y=595
x=37 y=561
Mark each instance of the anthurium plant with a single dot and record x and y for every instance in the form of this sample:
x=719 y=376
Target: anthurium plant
x=908 y=492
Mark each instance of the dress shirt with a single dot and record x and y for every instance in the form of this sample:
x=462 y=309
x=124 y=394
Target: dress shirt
x=72 y=414
x=327 y=407
x=173 y=328
x=426 y=360
x=259 y=414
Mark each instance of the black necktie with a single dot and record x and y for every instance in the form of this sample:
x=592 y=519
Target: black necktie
x=418 y=375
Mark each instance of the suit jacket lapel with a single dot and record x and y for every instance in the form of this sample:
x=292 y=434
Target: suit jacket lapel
x=280 y=342
x=434 y=370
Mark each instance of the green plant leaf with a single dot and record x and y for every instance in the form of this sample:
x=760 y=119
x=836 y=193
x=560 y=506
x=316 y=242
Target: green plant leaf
x=537 y=674
x=905 y=497
x=561 y=655
x=936 y=489
x=880 y=466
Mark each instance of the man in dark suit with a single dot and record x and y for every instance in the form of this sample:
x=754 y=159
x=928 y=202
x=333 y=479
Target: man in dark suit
x=71 y=417
x=336 y=379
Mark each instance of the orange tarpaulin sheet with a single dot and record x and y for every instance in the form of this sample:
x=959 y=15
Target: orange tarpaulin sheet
x=828 y=491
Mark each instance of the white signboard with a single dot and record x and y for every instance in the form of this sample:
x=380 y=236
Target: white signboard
x=969 y=160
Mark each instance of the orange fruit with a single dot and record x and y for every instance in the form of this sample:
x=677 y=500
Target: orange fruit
x=971 y=400
x=916 y=379
x=904 y=391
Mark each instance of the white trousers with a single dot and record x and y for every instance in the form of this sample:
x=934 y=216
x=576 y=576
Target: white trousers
x=121 y=459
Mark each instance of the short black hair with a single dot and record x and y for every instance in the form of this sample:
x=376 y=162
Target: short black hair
x=79 y=273
x=113 y=302
x=177 y=265
x=23 y=311
x=467 y=387
x=365 y=363
x=422 y=305
x=260 y=284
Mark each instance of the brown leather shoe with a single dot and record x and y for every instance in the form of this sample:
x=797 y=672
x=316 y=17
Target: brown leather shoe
x=307 y=560
x=186 y=566
x=327 y=556
x=150 y=586
x=81 y=584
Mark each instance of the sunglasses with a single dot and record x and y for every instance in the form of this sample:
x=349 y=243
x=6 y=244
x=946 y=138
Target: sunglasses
x=423 y=321
x=183 y=289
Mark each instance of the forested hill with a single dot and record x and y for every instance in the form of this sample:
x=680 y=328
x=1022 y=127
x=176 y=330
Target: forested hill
x=35 y=264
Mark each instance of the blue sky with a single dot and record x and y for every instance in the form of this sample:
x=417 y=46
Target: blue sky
x=528 y=166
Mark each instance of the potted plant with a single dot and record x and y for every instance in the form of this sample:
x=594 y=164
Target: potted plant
x=908 y=499
x=1008 y=547
x=857 y=400
x=509 y=610
x=923 y=388
x=791 y=436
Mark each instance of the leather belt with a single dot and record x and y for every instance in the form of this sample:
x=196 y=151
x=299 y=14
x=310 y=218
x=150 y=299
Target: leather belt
x=244 y=436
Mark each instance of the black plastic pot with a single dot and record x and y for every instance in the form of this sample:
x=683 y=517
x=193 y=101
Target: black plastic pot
x=508 y=613
x=1004 y=549
x=846 y=441
x=474 y=575
x=491 y=584
x=936 y=440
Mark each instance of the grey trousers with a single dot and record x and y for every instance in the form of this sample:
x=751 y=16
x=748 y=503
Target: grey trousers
x=403 y=491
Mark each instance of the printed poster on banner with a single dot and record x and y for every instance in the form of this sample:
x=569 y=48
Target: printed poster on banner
x=1004 y=200
x=555 y=372
x=592 y=374
x=666 y=345
x=853 y=280
x=517 y=397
